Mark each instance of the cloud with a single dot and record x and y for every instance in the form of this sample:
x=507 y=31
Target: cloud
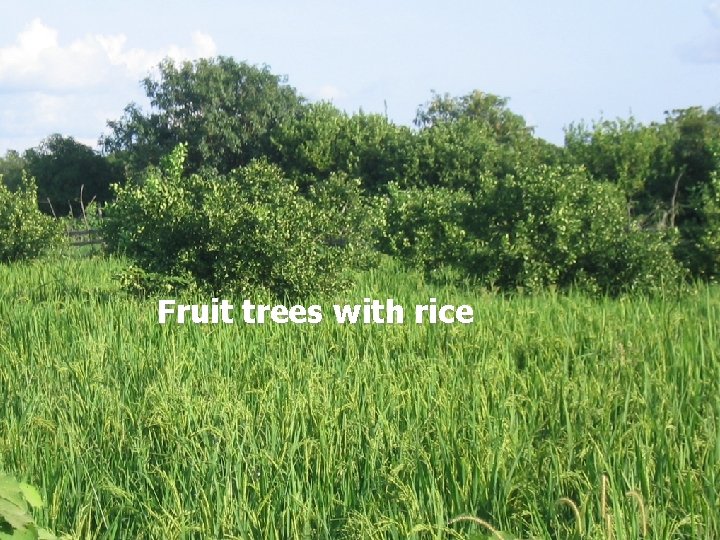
x=38 y=60
x=53 y=86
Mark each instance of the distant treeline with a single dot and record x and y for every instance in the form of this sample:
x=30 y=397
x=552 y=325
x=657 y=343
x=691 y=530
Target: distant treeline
x=621 y=206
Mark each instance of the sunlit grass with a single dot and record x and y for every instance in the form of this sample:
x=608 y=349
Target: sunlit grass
x=136 y=430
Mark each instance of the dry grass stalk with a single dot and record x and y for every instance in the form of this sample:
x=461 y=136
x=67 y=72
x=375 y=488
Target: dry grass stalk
x=634 y=494
x=603 y=497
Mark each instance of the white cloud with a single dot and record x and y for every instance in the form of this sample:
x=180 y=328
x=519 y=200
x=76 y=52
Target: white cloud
x=38 y=60
x=55 y=86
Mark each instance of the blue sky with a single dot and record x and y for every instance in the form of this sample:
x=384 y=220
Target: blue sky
x=68 y=67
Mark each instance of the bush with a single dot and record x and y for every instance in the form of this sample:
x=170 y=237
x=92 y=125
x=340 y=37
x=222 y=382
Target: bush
x=556 y=226
x=250 y=230
x=426 y=227
x=699 y=247
x=322 y=139
x=543 y=226
x=25 y=232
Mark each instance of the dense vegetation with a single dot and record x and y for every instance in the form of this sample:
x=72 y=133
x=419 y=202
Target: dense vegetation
x=247 y=232
x=621 y=207
x=68 y=174
x=571 y=408
x=24 y=232
x=133 y=429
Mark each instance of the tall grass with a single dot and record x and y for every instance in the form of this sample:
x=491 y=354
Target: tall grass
x=136 y=430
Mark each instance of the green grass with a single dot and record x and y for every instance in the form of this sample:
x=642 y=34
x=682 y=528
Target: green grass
x=135 y=430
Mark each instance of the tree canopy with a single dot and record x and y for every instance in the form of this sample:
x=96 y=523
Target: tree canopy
x=62 y=167
x=226 y=112
x=622 y=205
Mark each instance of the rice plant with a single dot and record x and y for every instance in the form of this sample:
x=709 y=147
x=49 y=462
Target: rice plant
x=551 y=416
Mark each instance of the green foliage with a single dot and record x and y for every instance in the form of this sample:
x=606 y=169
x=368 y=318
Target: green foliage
x=321 y=140
x=361 y=431
x=487 y=109
x=16 y=521
x=463 y=140
x=471 y=187
x=247 y=231
x=666 y=172
x=307 y=144
x=25 y=232
x=624 y=152
x=65 y=169
x=555 y=226
x=699 y=247
x=695 y=145
x=544 y=226
x=426 y=227
x=225 y=110
x=12 y=166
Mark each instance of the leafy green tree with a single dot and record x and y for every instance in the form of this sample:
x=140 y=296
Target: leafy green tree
x=427 y=227
x=486 y=109
x=245 y=232
x=666 y=172
x=699 y=245
x=542 y=226
x=321 y=140
x=377 y=151
x=12 y=166
x=465 y=139
x=694 y=148
x=306 y=144
x=624 y=152
x=556 y=226
x=226 y=111
x=694 y=205
x=62 y=167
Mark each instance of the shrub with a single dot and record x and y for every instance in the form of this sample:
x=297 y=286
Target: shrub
x=699 y=247
x=556 y=226
x=25 y=232
x=543 y=226
x=250 y=230
x=426 y=227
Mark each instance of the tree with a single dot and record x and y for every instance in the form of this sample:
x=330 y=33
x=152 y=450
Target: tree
x=624 y=152
x=465 y=139
x=543 y=226
x=62 y=167
x=487 y=109
x=11 y=169
x=226 y=111
x=247 y=232
x=668 y=173
x=321 y=140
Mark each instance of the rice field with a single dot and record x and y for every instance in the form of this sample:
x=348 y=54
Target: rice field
x=551 y=416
